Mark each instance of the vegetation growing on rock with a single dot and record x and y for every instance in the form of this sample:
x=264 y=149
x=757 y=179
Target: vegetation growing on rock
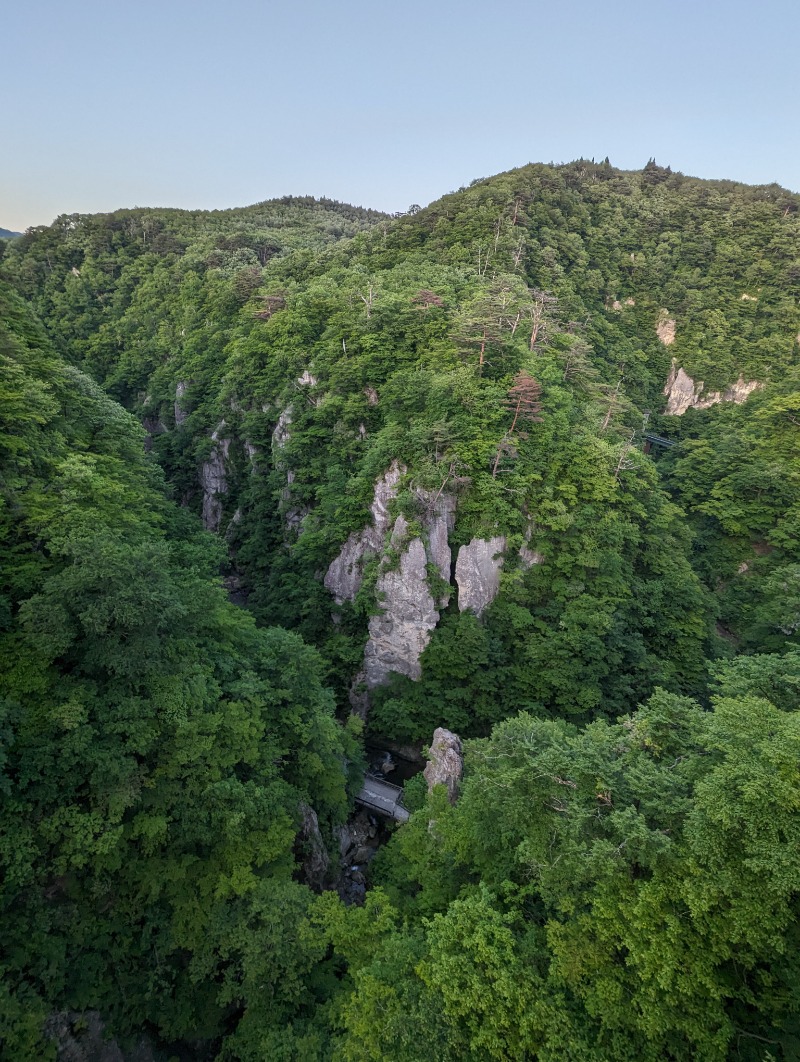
x=462 y=408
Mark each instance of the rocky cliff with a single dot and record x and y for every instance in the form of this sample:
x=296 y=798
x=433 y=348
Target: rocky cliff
x=214 y=480
x=683 y=393
x=478 y=573
x=345 y=575
x=398 y=636
x=414 y=581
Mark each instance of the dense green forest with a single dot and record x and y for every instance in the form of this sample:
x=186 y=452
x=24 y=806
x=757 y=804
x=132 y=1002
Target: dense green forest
x=524 y=464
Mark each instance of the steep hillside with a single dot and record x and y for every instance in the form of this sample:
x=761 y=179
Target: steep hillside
x=120 y=293
x=424 y=446
x=524 y=464
x=159 y=753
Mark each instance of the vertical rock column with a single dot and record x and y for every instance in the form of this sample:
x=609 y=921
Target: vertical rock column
x=213 y=480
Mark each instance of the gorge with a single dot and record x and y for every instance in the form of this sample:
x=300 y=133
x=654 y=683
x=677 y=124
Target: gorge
x=297 y=493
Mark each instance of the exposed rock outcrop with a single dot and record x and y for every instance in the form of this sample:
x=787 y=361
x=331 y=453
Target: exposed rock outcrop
x=359 y=839
x=398 y=636
x=292 y=512
x=665 y=328
x=478 y=573
x=313 y=851
x=358 y=695
x=445 y=762
x=213 y=479
x=683 y=393
x=180 y=413
x=152 y=426
x=739 y=391
x=438 y=522
x=345 y=574
x=410 y=611
x=282 y=430
x=528 y=557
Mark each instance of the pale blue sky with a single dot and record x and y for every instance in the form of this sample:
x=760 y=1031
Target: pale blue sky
x=105 y=103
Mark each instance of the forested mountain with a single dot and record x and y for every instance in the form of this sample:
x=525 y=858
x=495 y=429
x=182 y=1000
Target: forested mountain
x=524 y=464
x=7 y=234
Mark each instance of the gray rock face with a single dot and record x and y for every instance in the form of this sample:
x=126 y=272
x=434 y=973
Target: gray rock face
x=665 y=328
x=180 y=413
x=358 y=844
x=401 y=632
x=343 y=578
x=399 y=635
x=445 y=762
x=438 y=523
x=358 y=695
x=683 y=393
x=292 y=512
x=529 y=557
x=152 y=426
x=213 y=480
x=478 y=573
x=282 y=431
x=315 y=855
x=680 y=390
x=740 y=391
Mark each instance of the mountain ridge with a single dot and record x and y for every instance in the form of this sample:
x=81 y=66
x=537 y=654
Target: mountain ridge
x=520 y=469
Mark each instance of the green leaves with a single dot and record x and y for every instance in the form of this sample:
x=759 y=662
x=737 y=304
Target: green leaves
x=156 y=745
x=632 y=886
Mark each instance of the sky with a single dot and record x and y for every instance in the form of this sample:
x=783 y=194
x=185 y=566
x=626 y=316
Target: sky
x=115 y=103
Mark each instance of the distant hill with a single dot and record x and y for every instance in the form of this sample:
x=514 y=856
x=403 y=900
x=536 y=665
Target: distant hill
x=7 y=234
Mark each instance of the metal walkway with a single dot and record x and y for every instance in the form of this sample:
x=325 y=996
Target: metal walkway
x=383 y=798
x=651 y=439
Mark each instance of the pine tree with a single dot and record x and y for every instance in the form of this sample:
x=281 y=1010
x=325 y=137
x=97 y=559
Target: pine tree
x=523 y=402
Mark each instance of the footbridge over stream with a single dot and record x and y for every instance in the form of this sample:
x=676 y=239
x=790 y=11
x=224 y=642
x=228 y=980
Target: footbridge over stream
x=383 y=798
